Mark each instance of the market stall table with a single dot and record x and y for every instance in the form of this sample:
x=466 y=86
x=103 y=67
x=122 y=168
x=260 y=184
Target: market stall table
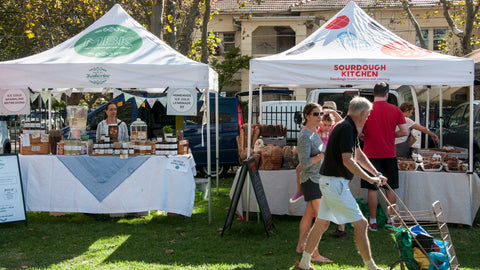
x=418 y=190
x=58 y=184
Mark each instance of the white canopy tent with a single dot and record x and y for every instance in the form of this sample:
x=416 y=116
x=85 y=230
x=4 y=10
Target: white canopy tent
x=352 y=49
x=114 y=52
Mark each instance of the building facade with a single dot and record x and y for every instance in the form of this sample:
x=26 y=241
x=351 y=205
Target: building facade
x=265 y=27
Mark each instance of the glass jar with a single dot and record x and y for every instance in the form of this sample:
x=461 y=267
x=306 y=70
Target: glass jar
x=138 y=130
x=77 y=117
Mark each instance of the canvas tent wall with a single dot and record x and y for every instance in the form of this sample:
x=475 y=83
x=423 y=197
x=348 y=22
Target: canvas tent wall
x=114 y=52
x=353 y=49
x=475 y=56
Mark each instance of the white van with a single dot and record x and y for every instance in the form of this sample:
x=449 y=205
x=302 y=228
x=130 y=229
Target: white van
x=342 y=97
x=289 y=112
x=283 y=112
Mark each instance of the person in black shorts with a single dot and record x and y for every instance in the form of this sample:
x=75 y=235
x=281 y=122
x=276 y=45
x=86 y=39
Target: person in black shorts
x=379 y=145
x=310 y=154
x=343 y=159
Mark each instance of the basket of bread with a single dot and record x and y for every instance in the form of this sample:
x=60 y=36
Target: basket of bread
x=406 y=164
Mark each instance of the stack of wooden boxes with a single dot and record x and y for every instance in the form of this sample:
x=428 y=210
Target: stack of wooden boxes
x=34 y=144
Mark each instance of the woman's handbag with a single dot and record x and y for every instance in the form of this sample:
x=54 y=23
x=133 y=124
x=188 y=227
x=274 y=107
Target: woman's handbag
x=411 y=139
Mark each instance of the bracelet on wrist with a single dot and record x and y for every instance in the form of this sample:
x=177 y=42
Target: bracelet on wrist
x=378 y=174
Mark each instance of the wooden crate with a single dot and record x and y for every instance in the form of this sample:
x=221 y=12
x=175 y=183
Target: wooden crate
x=39 y=145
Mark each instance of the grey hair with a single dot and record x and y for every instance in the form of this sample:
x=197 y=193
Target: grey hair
x=358 y=105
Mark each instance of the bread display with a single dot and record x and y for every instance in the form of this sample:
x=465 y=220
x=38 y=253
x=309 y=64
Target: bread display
x=406 y=164
x=452 y=163
x=432 y=163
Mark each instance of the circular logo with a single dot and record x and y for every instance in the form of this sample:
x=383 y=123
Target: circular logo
x=182 y=100
x=14 y=100
x=339 y=22
x=97 y=75
x=108 y=41
x=404 y=49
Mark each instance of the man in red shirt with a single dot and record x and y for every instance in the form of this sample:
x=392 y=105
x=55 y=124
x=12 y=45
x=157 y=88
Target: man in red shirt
x=379 y=145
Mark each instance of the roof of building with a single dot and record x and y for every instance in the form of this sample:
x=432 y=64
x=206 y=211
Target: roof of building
x=269 y=6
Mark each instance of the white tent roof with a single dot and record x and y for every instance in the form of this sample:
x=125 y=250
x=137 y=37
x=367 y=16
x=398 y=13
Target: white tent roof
x=353 y=49
x=115 y=51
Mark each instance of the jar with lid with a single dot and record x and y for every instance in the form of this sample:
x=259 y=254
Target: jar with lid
x=138 y=130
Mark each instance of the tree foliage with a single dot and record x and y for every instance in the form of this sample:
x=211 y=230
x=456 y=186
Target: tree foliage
x=232 y=63
x=29 y=27
x=462 y=18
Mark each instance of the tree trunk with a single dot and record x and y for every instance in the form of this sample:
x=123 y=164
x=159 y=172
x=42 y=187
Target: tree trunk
x=110 y=3
x=157 y=17
x=418 y=30
x=186 y=34
x=469 y=21
x=171 y=11
x=206 y=19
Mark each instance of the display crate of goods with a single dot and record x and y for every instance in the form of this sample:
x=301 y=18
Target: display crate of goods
x=461 y=153
x=272 y=157
x=273 y=131
x=280 y=141
x=34 y=144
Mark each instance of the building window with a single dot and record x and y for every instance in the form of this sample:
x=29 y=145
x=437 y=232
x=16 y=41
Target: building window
x=268 y=40
x=433 y=38
x=227 y=43
x=438 y=36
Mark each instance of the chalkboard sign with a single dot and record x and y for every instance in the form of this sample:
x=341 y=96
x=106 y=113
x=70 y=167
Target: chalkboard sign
x=250 y=166
x=12 y=206
x=260 y=193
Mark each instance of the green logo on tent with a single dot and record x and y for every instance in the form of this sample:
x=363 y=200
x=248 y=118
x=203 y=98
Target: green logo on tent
x=97 y=75
x=108 y=41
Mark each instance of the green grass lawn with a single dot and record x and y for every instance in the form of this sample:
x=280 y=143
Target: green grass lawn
x=78 y=241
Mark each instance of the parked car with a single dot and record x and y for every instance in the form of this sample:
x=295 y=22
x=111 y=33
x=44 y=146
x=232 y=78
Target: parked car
x=5 y=145
x=455 y=130
x=230 y=121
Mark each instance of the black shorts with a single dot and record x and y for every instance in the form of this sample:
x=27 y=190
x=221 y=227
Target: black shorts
x=311 y=191
x=388 y=167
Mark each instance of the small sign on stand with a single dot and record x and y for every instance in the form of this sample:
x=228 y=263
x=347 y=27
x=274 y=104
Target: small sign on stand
x=250 y=166
x=12 y=204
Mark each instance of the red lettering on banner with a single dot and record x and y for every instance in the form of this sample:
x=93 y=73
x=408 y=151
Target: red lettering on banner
x=349 y=72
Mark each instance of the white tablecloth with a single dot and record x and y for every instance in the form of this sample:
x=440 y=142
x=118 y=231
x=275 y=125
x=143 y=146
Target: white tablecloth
x=49 y=186
x=418 y=190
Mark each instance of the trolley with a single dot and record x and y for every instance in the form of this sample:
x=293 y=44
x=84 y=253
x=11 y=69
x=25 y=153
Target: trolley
x=421 y=237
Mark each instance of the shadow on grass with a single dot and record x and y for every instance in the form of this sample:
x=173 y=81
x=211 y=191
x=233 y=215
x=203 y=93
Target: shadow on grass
x=74 y=240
